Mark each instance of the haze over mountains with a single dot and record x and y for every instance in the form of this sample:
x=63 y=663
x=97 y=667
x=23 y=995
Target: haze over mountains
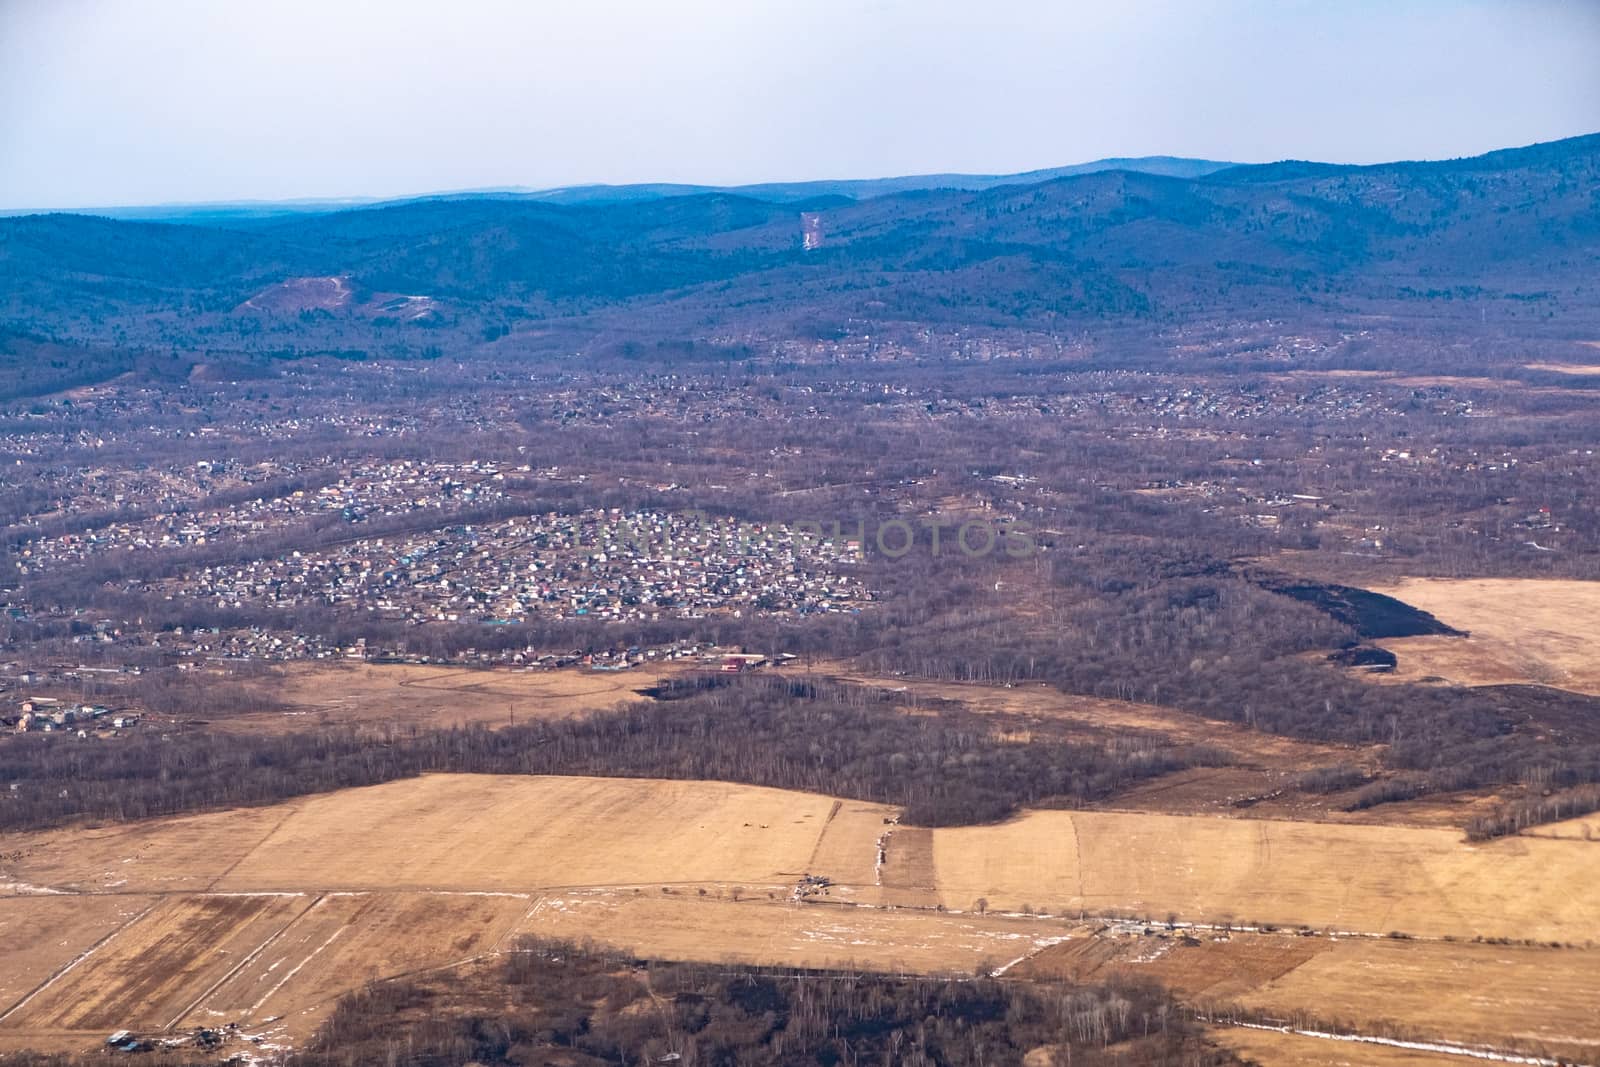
x=1511 y=234
x=244 y=211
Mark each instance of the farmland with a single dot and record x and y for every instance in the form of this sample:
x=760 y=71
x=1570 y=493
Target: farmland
x=263 y=917
x=1471 y=993
x=466 y=833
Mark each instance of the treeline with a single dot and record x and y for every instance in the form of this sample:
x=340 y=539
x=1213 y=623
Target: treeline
x=945 y=765
x=551 y=1002
x=1535 y=811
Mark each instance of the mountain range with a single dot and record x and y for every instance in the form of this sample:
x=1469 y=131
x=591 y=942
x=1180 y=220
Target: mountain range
x=240 y=212
x=1516 y=230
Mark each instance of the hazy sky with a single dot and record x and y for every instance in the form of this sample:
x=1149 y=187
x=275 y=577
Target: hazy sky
x=111 y=102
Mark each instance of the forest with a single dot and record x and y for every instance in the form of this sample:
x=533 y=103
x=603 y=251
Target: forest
x=570 y=1004
x=946 y=765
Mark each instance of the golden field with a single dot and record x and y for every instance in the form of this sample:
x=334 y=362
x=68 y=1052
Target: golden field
x=264 y=917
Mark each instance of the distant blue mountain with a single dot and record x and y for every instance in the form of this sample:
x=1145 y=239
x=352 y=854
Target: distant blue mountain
x=1102 y=241
x=247 y=211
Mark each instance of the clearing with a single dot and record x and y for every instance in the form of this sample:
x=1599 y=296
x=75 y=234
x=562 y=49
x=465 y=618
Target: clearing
x=1522 y=631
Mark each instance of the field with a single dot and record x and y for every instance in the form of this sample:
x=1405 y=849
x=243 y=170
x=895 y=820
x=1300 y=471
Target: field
x=1520 y=631
x=1579 y=369
x=471 y=833
x=1272 y=1047
x=1583 y=828
x=263 y=917
x=468 y=832
x=161 y=965
x=1366 y=879
x=401 y=695
x=762 y=930
x=1497 y=995
x=43 y=933
x=1473 y=993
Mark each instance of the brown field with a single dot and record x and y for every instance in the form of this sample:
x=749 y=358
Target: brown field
x=180 y=854
x=1584 y=828
x=467 y=832
x=490 y=833
x=41 y=934
x=1582 y=369
x=1463 y=993
x=1272 y=1049
x=400 y=694
x=1370 y=879
x=274 y=962
x=156 y=969
x=759 y=930
x=1507 y=996
x=1544 y=632
x=341 y=940
x=515 y=833
x=265 y=916
x=1422 y=381
x=1208 y=967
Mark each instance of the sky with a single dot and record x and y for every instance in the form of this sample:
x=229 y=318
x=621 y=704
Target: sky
x=124 y=102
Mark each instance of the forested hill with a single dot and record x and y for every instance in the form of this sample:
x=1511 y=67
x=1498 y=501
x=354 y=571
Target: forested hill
x=1517 y=229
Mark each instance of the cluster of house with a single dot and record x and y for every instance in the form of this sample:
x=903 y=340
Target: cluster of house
x=48 y=715
x=611 y=565
x=188 y=649
x=149 y=488
x=368 y=491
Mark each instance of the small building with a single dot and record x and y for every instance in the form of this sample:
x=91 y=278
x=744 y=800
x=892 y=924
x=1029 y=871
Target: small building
x=735 y=662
